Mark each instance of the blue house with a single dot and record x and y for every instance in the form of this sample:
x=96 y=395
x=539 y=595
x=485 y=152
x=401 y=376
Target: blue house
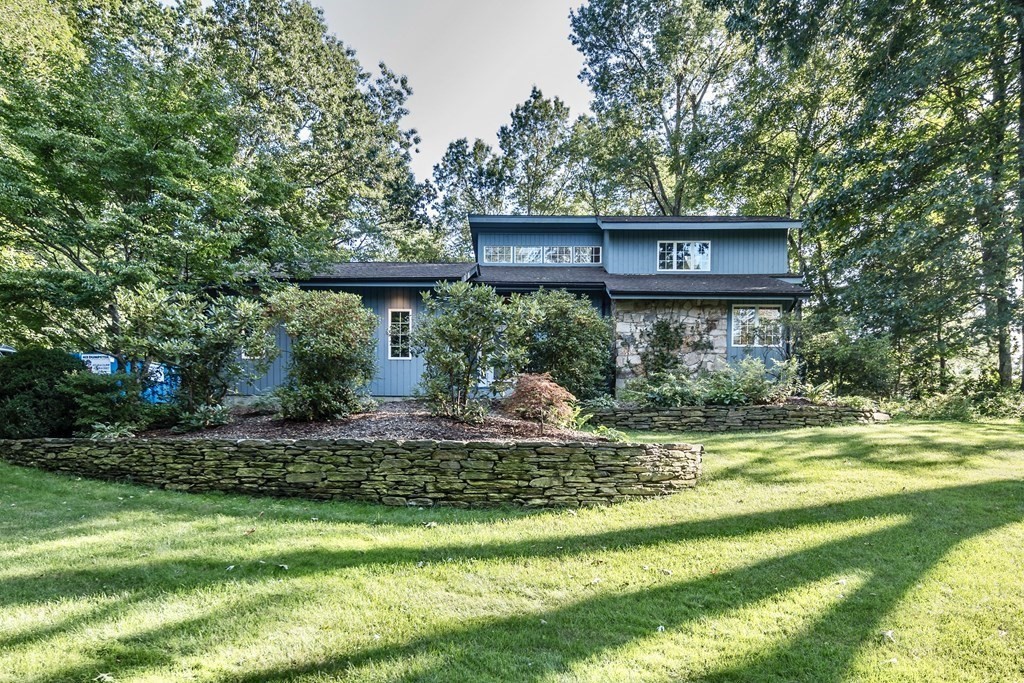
x=723 y=283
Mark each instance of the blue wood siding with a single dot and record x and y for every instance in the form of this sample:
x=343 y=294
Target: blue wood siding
x=733 y=252
x=275 y=375
x=393 y=377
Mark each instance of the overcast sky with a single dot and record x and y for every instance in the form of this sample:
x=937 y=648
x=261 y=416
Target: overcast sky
x=469 y=62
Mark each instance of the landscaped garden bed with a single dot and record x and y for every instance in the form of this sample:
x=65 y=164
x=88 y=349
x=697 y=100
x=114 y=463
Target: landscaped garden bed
x=389 y=420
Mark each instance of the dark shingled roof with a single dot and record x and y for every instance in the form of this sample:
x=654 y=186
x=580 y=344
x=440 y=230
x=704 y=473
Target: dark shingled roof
x=551 y=276
x=702 y=285
x=396 y=271
x=695 y=219
x=571 y=277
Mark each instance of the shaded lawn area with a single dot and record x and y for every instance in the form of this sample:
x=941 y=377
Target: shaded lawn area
x=877 y=553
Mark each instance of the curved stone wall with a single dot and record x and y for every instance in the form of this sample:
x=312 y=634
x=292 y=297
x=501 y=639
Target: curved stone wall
x=735 y=418
x=422 y=473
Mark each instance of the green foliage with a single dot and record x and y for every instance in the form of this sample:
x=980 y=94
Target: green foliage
x=611 y=433
x=666 y=340
x=202 y=338
x=850 y=363
x=569 y=339
x=108 y=432
x=202 y=417
x=744 y=383
x=333 y=351
x=961 y=406
x=602 y=403
x=32 y=404
x=539 y=398
x=114 y=399
x=472 y=342
x=192 y=148
x=664 y=390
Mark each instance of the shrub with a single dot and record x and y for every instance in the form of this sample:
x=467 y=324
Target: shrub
x=541 y=399
x=747 y=382
x=106 y=399
x=851 y=363
x=333 y=349
x=664 y=390
x=32 y=404
x=472 y=343
x=203 y=417
x=569 y=339
x=201 y=337
x=954 y=407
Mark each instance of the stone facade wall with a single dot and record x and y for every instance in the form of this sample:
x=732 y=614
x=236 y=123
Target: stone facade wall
x=705 y=346
x=739 y=418
x=422 y=473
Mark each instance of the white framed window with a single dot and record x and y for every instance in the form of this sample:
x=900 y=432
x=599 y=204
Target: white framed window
x=399 y=334
x=586 y=254
x=756 y=325
x=497 y=254
x=684 y=256
x=557 y=254
x=529 y=255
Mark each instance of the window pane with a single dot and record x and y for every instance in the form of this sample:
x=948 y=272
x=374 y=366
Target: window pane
x=744 y=326
x=685 y=255
x=558 y=255
x=666 y=256
x=586 y=254
x=497 y=254
x=529 y=255
x=769 y=326
x=701 y=254
x=399 y=334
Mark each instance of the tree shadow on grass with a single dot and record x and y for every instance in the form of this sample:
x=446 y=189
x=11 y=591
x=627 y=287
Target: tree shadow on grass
x=893 y=558
x=822 y=651
x=919 y=448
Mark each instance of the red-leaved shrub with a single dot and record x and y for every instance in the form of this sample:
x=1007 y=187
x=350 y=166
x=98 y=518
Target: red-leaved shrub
x=541 y=399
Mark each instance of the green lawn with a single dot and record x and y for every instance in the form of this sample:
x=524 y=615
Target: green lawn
x=889 y=553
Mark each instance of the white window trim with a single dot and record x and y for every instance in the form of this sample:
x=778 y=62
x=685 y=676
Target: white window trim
x=657 y=256
x=387 y=333
x=757 y=317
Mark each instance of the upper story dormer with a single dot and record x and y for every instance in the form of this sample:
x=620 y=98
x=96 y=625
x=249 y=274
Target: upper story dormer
x=633 y=245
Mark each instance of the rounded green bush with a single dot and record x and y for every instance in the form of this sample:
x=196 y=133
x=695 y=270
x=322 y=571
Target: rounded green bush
x=32 y=402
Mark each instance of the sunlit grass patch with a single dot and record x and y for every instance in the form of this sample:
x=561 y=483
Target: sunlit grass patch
x=888 y=552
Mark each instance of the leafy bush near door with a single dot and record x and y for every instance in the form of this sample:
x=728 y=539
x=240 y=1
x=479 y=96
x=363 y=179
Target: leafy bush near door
x=747 y=382
x=333 y=349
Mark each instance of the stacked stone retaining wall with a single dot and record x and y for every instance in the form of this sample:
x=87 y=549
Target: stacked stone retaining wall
x=422 y=473
x=737 y=418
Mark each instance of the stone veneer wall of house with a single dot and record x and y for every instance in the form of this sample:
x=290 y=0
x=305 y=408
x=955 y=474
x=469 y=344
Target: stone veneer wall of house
x=705 y=322
x=422 y=473
x=738 y=418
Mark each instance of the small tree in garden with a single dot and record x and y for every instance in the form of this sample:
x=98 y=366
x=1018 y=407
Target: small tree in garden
x=471 y=341
x=333 y=350
x=569 y=339
x=541 y=399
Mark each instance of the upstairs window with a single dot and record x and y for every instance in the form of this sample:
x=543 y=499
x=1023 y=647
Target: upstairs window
x=557 y=254
x=755 y=325
x=552 y=255
x=586 y=254
x=497 y=254
x=684 y=256
x=529 y=255
x=399 y=334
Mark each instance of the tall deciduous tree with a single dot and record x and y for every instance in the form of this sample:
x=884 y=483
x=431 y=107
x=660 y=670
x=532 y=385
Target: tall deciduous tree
x=658 y=71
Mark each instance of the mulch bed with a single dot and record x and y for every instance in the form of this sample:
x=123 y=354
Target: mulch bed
x=391 y=420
